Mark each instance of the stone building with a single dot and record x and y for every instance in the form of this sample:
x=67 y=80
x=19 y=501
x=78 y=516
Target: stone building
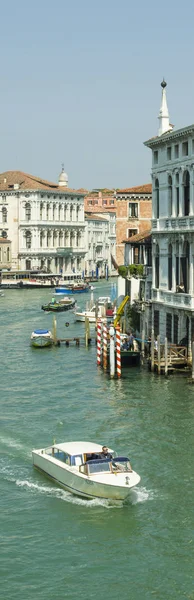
x=44 y=221
x=133 y=215
x=100 y=203
x=173 y=229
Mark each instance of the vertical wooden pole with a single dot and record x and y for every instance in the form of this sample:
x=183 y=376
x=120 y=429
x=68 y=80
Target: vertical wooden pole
x=105 y=345
x=112 y=351
x=118 y=350
x=166 y=356
x=99 y=340
x=54 y=329
x=193 y=362
x=159 y=354
x=87 y=331
x=152 y=351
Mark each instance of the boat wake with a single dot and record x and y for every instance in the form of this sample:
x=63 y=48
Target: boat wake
x=10 y=443
x=66 y=496
x=140 y=494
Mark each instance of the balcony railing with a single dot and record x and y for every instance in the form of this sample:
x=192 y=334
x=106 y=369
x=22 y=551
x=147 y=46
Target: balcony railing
x=55 y=251
x=173 y=224
x=176 y=300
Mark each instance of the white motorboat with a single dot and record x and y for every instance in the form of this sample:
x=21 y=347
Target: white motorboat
x=102 y=308
x=80 y=468
x=41 y=338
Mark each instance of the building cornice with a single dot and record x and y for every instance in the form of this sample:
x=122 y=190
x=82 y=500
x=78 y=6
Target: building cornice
x=169 y=136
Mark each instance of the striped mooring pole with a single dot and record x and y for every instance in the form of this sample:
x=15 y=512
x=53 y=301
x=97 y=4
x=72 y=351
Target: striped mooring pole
x=118 y=350
x=105 y=346
x=99 y=337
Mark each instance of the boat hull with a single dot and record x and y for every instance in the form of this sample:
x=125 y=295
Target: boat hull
x=129 y=358
x=66 y=290
x=41 y=342
x=80 y=485
x=54 y=308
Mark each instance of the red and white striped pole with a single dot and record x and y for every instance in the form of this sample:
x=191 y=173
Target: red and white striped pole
x=118 y=350
x=105 y=346
x=99 y=337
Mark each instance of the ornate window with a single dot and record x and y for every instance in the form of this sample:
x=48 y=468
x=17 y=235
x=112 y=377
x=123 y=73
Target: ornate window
x=41 y=210
x=28 y=239
x=4 y=214
x=28 y=211
x=28 y=264
x=8 y=254
x=133 y=210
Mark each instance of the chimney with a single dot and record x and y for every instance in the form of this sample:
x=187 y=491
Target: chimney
x=16 y=186
x=5 y=180
x=99 y=198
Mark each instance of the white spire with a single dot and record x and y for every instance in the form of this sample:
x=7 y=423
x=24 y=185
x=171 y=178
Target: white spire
x=164 y=124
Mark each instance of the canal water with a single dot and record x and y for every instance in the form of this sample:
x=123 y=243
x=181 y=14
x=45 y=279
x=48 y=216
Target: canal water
x=55 y=545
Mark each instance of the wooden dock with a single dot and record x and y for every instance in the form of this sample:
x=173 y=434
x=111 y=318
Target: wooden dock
x=168 y=358
x=75 y=341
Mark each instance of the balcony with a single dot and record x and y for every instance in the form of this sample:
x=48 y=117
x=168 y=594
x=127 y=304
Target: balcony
x=52 y=251
x=175 y=300
x=180 y=224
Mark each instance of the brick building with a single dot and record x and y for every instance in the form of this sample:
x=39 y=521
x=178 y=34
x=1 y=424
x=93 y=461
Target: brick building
x=101 y=203
x=133 y=215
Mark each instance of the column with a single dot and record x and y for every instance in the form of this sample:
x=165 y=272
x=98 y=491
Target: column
x=190 y=269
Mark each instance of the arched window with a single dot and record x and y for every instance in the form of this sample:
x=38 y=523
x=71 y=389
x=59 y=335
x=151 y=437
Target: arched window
x=60 y=212
x=157 y=265
x=177 y=195
x=27 y=211
x=4 y=234
x=170 y=266
x=185 y=268
x=41 y=239
x=71 y=212
x=28 y=239
x=157 y=200
x=186 y=184
x=8 y=254
x=54 y=211
x=4 y=215
x=170 y=196
x=47 y=210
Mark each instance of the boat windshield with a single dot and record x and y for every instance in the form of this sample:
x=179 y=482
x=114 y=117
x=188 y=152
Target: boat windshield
x=98 y=466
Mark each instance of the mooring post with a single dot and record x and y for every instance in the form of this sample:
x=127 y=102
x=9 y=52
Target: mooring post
x=105 y=345
x=112 y=351
x=192 y=362
x=87 y=331
x=118 y=350
x=99 y=341
x=152 y=351
x=54 y=329
x=159 y=354
x=166 y=356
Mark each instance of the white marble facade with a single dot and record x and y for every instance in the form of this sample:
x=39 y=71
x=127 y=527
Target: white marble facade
x=47 y=228
x=173 y=230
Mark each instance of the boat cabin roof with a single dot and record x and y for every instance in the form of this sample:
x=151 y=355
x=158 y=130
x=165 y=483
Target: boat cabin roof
x=73 y=448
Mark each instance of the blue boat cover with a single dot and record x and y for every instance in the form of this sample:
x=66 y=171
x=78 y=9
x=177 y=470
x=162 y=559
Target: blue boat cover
x=101 y=460
x=40 y=331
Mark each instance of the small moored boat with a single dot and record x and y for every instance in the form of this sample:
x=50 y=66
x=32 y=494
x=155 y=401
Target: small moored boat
x=59 y=305
x=103 y=308
x=80 y=468
x=41 y=338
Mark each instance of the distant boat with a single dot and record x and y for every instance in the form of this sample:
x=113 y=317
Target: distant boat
x=1 y=294
x=59 y=305
x=72 y=288
x=41 y=338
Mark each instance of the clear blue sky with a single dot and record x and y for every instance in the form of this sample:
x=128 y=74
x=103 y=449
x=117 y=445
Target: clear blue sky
x=80 y=84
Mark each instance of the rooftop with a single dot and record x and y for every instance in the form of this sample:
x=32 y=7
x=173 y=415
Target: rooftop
x=24 y=181
x=93 y=217
x=73 y=448
x=139 y=189
x=169 y=135
x=145 y=236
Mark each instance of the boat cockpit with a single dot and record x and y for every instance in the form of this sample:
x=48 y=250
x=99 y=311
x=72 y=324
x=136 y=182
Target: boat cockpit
x=91 y=464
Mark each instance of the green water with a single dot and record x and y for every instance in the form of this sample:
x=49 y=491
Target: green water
x=54 y=545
